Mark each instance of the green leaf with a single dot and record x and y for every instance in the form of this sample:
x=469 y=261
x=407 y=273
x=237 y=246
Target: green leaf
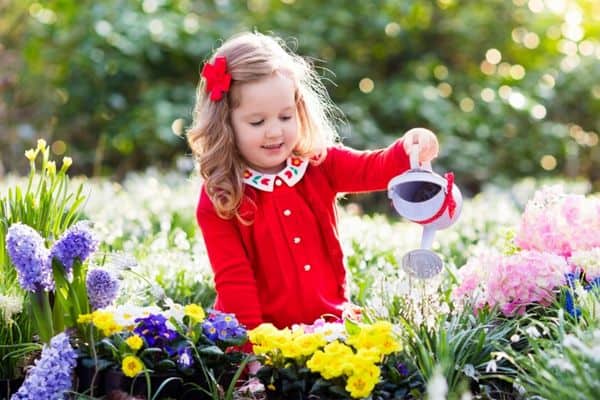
x=351 y=327
x=211 y=351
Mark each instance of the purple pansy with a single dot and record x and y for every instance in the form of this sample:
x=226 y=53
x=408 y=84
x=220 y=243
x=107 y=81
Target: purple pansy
x=78 y=242
x=51 y=376
x=222 y=326
x=30 y=256
x=155 y=332
x=102 y=288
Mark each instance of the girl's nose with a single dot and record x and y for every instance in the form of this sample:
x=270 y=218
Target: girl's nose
x=273 y=130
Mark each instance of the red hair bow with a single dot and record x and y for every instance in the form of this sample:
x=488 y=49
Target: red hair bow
x=217 y=78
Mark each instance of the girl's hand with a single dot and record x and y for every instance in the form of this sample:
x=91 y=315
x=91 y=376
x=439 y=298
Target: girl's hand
x=426 y=140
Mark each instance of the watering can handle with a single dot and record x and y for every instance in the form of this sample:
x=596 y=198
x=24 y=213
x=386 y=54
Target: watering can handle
x=414 y=158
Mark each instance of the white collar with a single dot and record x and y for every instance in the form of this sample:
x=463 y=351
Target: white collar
x=291 y=174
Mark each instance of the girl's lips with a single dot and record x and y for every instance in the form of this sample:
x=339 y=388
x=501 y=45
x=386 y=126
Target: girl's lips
x=272 y=146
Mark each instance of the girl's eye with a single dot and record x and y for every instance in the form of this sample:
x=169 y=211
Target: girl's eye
x=286 y=118
x=257 y=123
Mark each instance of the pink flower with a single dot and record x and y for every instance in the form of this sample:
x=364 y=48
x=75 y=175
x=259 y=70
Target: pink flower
x=512 y=282
x=559 y=223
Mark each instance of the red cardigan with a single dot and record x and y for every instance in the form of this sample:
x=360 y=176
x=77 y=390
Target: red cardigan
x=287 y=266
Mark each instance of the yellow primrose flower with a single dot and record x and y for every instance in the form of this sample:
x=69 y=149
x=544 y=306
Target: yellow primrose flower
x=317 y=362
x=105 y=321
x=111 y=329
x=290 y=350
x=310 y=343
x=262 y=333
x=372 y=355
x=134 y=342
x=338 y=349
x=389 y=345
x=84 y=318
x=132 y=366
x=195 y=312
x=101 y=318
x=359 y=386
x=332 y=370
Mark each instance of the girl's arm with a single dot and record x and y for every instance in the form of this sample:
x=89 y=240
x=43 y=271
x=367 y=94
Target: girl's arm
x=350 y=170
x=234 y=279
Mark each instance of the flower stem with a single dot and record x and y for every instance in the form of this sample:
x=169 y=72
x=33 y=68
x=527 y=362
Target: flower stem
x=42 y=313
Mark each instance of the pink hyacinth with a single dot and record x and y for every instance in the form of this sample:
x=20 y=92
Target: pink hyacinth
x=511 y=282
x=559 y=223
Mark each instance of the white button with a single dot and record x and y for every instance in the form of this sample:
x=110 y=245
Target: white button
x=297 y=240
x=287 y=213
x=278 y=182
x=307 y=267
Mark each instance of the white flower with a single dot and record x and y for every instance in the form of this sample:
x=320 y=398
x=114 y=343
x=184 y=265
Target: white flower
x=491 y=366
x=532 y=331
x=466 y=396
x=174 y=310
x=126 y=314
x=437 y=387
x=10 y=305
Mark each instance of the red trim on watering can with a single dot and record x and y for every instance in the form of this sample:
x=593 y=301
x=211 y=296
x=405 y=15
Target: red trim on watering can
x=449 y=202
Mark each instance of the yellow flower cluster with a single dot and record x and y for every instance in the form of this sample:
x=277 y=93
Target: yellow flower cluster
x=357 y=358
x=103 y=320
x=295 y=344
x=354 y=360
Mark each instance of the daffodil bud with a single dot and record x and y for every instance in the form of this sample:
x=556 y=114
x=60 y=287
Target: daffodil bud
x=31 y=154
x=51 y=168
x=41 y=145
x=67 y=162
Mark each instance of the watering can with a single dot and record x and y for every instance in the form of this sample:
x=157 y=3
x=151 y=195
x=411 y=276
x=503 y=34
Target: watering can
x=431 y=200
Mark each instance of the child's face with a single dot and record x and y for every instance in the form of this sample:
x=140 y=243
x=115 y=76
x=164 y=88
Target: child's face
x=265 y=123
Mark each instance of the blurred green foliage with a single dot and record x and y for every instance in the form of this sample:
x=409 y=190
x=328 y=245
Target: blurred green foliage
x=511 y=87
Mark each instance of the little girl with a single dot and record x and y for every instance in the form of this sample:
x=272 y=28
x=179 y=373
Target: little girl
x=263 y=135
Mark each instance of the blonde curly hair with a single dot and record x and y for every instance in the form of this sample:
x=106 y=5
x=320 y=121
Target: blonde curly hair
x=250 y=57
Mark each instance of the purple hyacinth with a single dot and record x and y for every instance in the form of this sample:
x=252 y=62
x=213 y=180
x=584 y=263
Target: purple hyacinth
x=30 y=256
x=154 y=330
x=222 y=326
x=51 y=375
x=102 y=288
x=78 y=242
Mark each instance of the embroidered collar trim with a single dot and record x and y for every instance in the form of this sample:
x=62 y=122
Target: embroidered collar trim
x=291 y=174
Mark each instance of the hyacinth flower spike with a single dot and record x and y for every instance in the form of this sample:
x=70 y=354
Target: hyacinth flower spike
x=68 y=255
x=51 y=377
x=30 y=257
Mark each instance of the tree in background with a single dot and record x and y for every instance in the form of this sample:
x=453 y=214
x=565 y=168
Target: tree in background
x=512 y=88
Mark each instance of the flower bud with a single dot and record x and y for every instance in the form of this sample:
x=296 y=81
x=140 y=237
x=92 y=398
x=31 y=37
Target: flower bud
x=41 y=144
x=67 y=161
x=51 y=168
x=31 y=154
